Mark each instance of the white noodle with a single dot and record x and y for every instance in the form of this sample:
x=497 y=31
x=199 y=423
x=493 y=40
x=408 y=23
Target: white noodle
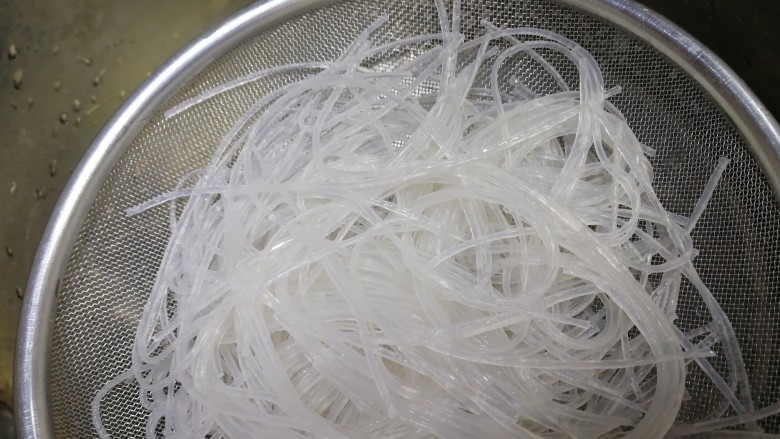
x=363 y=257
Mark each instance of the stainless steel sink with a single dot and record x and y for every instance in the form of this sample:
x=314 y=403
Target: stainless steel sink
x=78 y=60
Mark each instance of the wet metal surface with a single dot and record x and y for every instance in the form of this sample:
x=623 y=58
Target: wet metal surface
x=65 y=67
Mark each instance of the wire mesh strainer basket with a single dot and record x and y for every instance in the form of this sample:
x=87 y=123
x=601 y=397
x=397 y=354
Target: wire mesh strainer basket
x=96 y=266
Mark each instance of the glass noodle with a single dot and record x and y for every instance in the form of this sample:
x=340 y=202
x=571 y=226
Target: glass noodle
x=364 y=257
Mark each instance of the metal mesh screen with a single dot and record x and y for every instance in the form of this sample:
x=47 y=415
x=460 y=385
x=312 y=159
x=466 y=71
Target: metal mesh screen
x=115 y=259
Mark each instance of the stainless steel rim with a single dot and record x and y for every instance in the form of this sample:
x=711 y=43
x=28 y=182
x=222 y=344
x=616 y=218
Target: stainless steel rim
x=749 y=116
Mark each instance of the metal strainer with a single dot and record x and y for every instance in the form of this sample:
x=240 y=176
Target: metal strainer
x=96 y=266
